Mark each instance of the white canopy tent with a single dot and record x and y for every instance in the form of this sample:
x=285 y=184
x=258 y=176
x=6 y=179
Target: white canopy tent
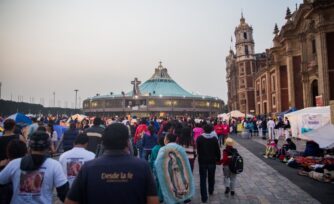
x=307 y=119
x=223 y=116
x=78 y=117
x=324 y=136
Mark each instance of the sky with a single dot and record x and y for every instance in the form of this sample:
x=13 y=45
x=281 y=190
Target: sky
x=100 y=46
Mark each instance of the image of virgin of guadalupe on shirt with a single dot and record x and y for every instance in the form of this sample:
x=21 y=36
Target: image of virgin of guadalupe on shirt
x=73 y=167
x=31 y=182
x=178 y=182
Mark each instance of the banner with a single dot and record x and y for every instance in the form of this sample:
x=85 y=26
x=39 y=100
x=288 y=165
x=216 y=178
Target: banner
x=311 y=122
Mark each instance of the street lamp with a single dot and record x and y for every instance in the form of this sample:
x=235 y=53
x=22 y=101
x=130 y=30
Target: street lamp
x=76 y=98
x=123 y=102
x=54 y=99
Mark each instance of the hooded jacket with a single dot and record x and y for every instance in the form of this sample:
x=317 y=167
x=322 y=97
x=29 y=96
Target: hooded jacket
x=208 y=149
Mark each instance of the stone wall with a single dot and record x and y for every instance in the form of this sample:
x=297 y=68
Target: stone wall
x=331 y=103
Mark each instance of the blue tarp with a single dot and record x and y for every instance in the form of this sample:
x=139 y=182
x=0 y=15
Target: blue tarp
x=293 y=109
x=20 y=119
x=60 y=130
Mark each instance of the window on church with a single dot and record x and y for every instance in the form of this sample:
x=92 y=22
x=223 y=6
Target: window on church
x=273 y=83
x=314 y=49
x=274 y=101
x=245 y=35
x=246 y=50
x=263 y=86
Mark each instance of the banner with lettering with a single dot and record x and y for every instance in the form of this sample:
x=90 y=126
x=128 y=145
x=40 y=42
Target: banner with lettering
x=311 y=122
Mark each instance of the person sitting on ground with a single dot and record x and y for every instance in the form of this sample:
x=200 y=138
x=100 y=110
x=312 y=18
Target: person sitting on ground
x=271 y=148
x=312 y=149
x=290 y=145
x=282 y=154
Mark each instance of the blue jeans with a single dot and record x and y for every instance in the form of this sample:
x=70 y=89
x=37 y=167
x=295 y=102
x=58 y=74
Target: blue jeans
x=207 y=170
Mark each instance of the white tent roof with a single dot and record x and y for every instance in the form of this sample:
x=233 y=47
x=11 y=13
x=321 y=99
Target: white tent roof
x=78 y=117
x=308 y=119
x=324 y=136
x=238 y=114
x=322 y=109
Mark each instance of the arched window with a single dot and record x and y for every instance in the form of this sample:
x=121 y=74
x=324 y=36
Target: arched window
x=246 y=50
x=245 y=35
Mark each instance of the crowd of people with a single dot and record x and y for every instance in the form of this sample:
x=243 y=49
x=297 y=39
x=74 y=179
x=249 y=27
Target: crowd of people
x=106 y=160
x=266 y=128
x=101 y=159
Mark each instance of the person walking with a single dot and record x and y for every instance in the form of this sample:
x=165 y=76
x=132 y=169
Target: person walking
x=116 y=176
x=9 y=127
x=208 y=155
x=69 y=137
x=187 y=142
x=35 y=176
x=218 y=127
x=73 y=159
x=229 y=176
x=150 y=139
x=94 y=134
x=154 y=155
x=138 y=138
x=174 y=172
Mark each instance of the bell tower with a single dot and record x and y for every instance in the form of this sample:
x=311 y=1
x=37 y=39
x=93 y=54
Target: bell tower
x=245 y=65
x=244 y=40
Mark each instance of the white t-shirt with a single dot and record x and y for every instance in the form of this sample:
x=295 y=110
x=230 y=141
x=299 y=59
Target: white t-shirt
x=73 y=160
x=33 y=186
x=271 y=124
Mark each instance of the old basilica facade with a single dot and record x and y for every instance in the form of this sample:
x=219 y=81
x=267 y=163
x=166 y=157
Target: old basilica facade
x=298 y=71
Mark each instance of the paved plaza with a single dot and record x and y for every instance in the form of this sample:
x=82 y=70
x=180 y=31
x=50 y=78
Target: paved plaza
x=264 y=181
x=259 y=183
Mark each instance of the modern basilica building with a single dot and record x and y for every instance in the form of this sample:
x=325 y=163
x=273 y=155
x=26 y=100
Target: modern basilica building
x=160 y=96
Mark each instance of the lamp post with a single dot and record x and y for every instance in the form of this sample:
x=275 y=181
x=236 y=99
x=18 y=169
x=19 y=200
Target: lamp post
x=0 y=89
x=54 y=99
x=76 y=98
x=123 y=102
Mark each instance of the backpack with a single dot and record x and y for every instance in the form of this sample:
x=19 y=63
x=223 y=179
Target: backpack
x=236 y=163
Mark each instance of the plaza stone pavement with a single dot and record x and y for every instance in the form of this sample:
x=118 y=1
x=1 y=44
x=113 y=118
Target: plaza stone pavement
x=259 y=183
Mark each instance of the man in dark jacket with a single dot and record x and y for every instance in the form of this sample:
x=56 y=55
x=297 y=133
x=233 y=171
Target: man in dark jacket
x=94 y=134
x=69 y=137
x=116 y=176
x=208 y=155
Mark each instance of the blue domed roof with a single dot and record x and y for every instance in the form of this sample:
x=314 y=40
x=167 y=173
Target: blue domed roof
x=161 y=84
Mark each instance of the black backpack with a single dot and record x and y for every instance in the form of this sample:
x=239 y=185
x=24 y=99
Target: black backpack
x=236 y=163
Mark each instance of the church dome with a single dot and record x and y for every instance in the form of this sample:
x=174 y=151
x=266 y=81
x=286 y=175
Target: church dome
x=161 y=84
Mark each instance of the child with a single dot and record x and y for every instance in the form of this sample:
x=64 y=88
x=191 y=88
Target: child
x=229 y=177
x=271 y=148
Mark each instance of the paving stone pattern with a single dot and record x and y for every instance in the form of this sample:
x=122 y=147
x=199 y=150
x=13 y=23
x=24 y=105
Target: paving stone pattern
x=259 y=183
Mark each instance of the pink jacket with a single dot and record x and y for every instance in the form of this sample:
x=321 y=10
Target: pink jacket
x=197 y=132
